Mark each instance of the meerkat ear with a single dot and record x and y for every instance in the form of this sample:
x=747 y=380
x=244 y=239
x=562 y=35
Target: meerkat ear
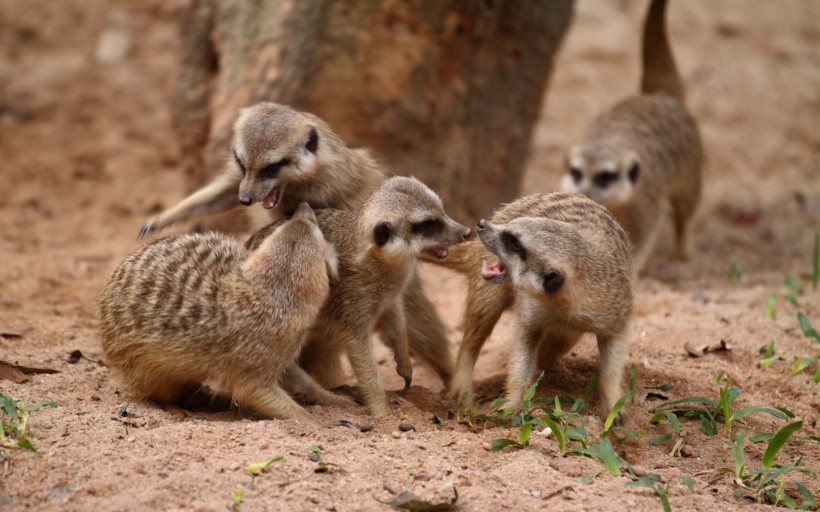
x=553 y=281
x=382 y=233
x=634 y=172
x=312 y=143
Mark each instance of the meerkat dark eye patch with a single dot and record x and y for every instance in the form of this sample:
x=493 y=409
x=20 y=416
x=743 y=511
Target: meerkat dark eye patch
x=271 y=170
x=634 y=172
x=312 y=143
x=382 y=234
x=576 y=175
x=604 y=178
x=512 y=244
x=239 y=163
x=427 y=227
x=553 y=281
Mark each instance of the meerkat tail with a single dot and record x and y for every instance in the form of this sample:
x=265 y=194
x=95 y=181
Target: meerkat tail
x=660 y=74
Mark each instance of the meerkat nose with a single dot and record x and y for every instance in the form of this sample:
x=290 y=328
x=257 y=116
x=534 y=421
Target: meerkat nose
x=245 y=202
x=481 y=225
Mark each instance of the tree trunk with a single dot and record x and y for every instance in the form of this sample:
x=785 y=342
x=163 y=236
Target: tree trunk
x=445 y=90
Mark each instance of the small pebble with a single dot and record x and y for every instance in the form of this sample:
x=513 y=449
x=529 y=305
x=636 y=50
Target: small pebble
x=406 y=427
x=487 y=446
x=536 y=494
x=396 y=434
x=315 y=457
x=367 y=427
x=131 y=439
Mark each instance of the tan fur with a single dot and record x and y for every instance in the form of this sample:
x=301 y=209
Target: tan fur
x=330 y=176
x=645 y=151
x=566 y=237
x=195 y=309
x=377 y=249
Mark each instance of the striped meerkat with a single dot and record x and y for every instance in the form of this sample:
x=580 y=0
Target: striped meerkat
x=378 y=248
x=196 y=309
x=281 y=157
x=564 y=263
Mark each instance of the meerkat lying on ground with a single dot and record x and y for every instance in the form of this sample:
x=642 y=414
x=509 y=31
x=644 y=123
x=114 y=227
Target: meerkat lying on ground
x=378 y=248
x=564 y=262
x=195 y=309
x=281 y=157
x=644 y=151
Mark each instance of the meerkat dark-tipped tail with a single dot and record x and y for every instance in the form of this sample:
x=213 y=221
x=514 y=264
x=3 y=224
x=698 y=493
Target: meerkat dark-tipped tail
x=660 y=74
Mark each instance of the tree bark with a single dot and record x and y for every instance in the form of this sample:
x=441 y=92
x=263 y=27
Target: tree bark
x=445 y=90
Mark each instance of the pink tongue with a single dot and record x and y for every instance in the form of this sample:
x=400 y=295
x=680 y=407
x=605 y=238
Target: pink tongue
x=440 y=252
x=491 y=271
x=272 y=199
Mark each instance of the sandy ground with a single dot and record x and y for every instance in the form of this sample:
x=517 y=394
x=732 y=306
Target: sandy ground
x=87 y=155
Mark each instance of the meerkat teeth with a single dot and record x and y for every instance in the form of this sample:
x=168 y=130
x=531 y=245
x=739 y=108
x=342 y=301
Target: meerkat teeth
x=310 y=163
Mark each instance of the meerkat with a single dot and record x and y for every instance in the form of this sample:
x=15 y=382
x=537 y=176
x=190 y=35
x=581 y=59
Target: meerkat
x=280 y=157
x=645 y=151
x=196 y=309
x=564 y=263
x=377 y=248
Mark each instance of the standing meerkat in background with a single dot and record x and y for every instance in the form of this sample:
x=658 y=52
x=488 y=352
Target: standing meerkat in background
x=565 y=263
x=643 y=151
x=195 y=309
x=378 y=248
x=281 y=157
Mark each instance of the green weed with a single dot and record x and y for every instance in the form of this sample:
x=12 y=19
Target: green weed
x=769 y=356
x=769 y=482
x=14 y=431
x=710 y=412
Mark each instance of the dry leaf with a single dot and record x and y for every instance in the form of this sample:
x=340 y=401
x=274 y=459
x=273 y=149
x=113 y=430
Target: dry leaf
x=701 y=349
x=10 y=372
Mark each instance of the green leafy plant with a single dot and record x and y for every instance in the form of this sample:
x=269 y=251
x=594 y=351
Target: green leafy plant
x=653 y=481
x=804 y=362
x=260 y=467
x=14 y=431
x=771 y=303
x=735 y=271
x=710 y=412
x=770 y=480
x=769 y=356
x=237 y=497
x=533 y=412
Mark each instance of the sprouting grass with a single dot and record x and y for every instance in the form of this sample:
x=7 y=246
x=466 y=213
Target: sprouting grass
x=768 y=483
x=735 y=271
x=768 y=353
x=711 y=412
x=771 y=304
x=14 y=430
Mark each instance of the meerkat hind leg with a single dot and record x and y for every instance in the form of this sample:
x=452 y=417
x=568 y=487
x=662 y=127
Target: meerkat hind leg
x=393 y=331
x=683 y=209
x=297 y=382
x=270 y=400
x=426 y=333
x=360 y=353
x=483 y=309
